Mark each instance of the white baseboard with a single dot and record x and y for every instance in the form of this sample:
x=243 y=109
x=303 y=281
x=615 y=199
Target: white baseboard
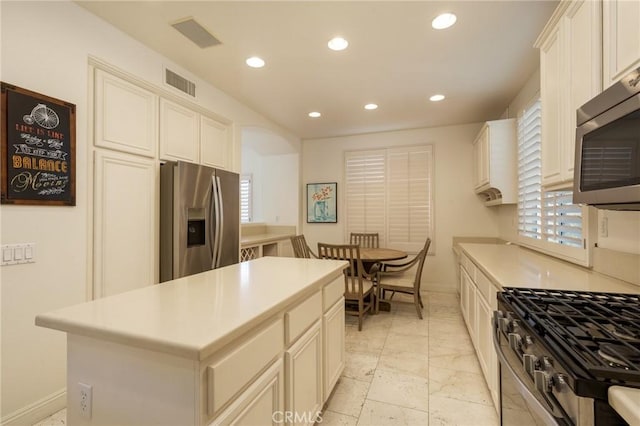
x=37 y=411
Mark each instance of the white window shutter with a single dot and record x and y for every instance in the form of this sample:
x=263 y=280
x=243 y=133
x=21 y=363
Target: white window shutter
x=409 y=197
x=390 y=192
x=365 y=192
x=245 y=199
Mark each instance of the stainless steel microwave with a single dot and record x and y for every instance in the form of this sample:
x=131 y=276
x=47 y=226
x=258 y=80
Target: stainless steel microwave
x=607 y=160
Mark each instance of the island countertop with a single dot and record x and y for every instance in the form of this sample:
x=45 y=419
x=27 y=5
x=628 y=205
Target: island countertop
x=508 y=265
x=196 y=315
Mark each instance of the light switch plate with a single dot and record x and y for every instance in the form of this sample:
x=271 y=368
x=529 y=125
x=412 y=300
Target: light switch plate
x=14 y=254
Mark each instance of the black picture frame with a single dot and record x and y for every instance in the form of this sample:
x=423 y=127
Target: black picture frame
x=322 y=202
x=37 y=148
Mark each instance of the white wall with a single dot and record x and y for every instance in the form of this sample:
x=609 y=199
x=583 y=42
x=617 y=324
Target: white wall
x=280 y=201
x=458 y=210
x=45 y=48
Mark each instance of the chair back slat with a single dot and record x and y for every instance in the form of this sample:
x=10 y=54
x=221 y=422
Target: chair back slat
x=368 y=240
x=352 y=274
x=301 y=248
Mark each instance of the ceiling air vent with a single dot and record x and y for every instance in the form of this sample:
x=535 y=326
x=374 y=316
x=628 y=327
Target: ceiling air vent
x=180 y=83
x=196 y=33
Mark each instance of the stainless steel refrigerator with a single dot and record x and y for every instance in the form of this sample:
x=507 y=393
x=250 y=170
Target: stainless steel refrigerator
x=199 y=219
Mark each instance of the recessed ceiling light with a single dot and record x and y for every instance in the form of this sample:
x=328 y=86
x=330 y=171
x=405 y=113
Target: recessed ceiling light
x=338 y=43
x=255 y=62
x=370 y=106
x=314 y=114
x=436 y=98
x=443 y=21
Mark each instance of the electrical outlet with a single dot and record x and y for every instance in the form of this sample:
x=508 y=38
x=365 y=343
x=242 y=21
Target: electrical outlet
x=604 y=227
x=86 y=397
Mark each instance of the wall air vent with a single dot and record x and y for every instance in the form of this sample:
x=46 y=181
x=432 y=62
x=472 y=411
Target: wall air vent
x=196 y=33
x=180 y=83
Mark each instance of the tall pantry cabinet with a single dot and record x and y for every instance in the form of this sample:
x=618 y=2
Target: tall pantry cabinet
x=135 y=126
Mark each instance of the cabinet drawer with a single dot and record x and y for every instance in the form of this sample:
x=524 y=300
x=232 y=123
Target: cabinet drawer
x=484 y=286
x=468 y=266
x=298 y=319
x=332 y=292
x=229 y=375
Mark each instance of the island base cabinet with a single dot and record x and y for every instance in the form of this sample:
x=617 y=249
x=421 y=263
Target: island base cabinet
x=147 y=387
x=334 y=345
x=261 y=404
x=303 y=363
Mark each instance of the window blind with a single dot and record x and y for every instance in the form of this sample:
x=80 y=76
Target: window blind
x=390 y=192
x=245 y=199
x=365 y=192
x=547 y=220
x=529 y=172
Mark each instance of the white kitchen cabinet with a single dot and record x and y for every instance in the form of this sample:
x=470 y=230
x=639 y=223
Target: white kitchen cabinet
x=495 y=161
x=215 y=143
x=485 y=350
x=179 y=132
x=125 y=222
x=260 y=403
x=334 y=344
x=621 y=38
x=570 y=75
x=478 y=301
x=125 y=116
x=303 y=364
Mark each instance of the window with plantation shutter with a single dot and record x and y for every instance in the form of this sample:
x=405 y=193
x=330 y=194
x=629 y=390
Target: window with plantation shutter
x=245 y=199
x=390 y=192
x=365 y=192
x=547 y=220
x=529 y=173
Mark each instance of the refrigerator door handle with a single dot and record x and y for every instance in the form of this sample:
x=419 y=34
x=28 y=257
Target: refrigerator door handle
x=215 y=228
x=220 y=225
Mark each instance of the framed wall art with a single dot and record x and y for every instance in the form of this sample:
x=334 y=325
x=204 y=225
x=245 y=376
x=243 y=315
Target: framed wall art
x=322 y=202
x=37 y=149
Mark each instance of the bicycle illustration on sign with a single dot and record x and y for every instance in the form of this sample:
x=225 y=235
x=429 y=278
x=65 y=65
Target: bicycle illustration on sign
x=43 y=116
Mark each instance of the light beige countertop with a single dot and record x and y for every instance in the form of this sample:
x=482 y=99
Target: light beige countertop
x=514 y=266
x=196 y=315
x=626 y=401
x=249 y=240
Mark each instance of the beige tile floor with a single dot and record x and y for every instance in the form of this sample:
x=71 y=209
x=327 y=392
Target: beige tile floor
x=401 y=370
x=404 y=371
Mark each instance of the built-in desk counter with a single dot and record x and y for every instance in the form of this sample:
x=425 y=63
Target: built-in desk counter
x=259 y=240
x=232 y=344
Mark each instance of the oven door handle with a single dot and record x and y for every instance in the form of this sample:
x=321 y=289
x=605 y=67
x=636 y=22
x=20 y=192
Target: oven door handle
x=523 y=390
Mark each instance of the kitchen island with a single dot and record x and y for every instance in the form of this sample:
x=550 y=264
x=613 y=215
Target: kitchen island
x=245 y=343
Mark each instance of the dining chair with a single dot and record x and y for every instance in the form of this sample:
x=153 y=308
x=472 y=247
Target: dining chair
x=359 y=285
x=402 y=278
x=369 y=240
x=301 y=248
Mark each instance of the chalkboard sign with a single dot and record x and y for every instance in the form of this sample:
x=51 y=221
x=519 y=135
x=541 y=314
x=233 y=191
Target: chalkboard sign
x=38 y=149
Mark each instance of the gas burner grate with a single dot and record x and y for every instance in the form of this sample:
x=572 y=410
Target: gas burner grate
x=599 y=331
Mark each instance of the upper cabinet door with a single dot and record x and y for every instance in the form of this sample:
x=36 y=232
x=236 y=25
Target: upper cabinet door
x=551 y=82
x=126 y=116
x=215 y=138
x=584 y=76
x=621 y=32
x=179 y=132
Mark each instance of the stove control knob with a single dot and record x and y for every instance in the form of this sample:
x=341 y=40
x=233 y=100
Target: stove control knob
x=542 y=381
x=560 y=382
x=545 y=363
x=514 y=341
x=528 y=341
x=529 y=362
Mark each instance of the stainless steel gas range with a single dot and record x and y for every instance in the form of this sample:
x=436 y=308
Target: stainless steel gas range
x=560 y=351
